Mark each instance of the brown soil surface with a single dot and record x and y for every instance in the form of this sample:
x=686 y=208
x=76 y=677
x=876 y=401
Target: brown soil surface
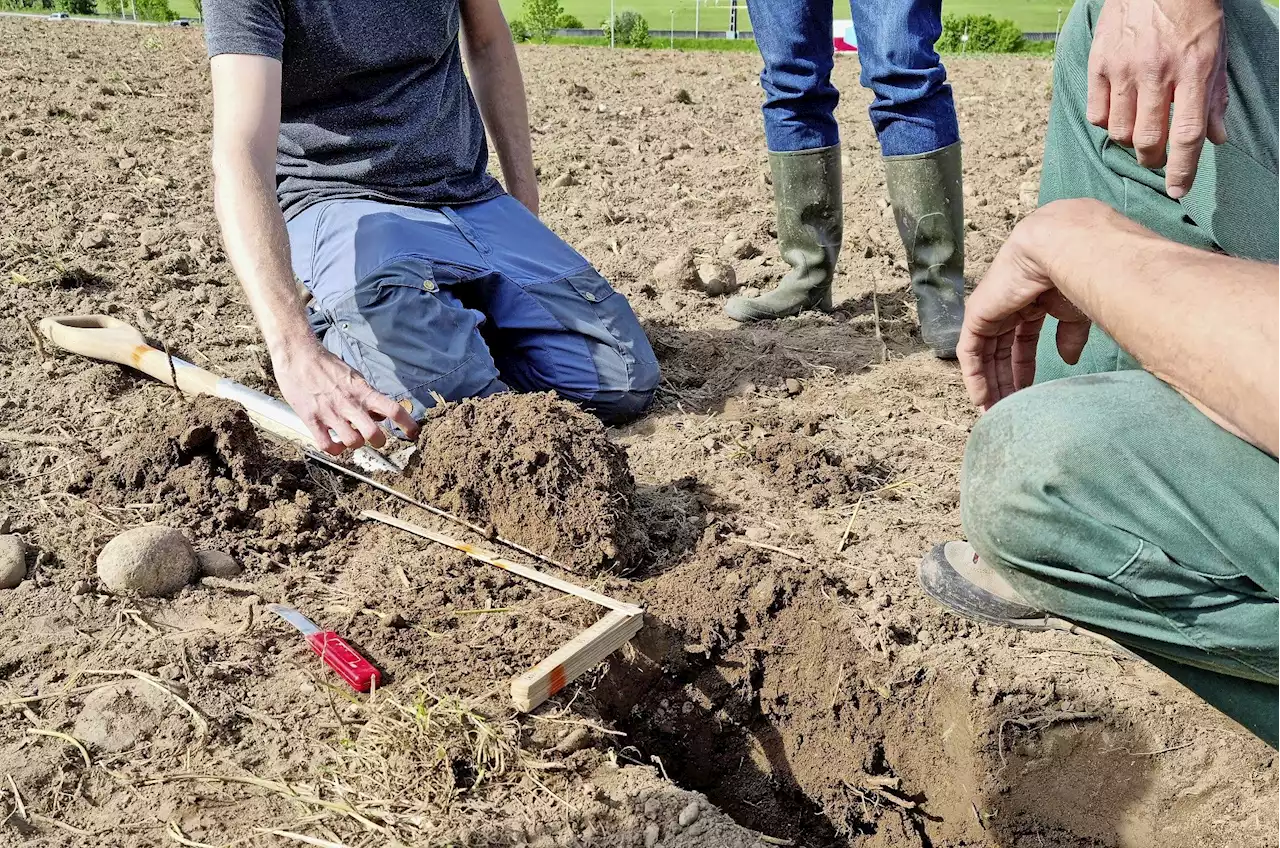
x=813 y=696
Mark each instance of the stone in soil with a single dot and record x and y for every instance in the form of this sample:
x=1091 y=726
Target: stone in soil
x=540 y=470
x=151 y=561
x=13 y=561
x=217 y=564
x=119 y=716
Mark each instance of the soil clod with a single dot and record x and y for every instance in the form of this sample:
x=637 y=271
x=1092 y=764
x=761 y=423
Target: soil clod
x=677 y=271
x=717 y=278
x=542 y=471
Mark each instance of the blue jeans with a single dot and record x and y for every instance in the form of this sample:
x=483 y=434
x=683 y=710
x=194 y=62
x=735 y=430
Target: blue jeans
x=468 y=301
x=912 y=113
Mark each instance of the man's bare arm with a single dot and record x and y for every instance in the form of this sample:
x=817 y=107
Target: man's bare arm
x=499 y=90
x=337 y=404
x=1205 y=323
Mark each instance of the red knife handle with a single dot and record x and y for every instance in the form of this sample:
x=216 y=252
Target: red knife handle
x=336 y=653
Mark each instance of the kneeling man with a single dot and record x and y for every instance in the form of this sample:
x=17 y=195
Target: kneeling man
x=349 y=155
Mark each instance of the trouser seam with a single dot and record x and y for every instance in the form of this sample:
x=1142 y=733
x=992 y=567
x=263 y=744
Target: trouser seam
x=617 y=341
x=358 y=346
x=1142 y=544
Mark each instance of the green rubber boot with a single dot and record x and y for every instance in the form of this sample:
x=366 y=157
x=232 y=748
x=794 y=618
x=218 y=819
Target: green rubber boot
x=928 y=204
x=806 y=191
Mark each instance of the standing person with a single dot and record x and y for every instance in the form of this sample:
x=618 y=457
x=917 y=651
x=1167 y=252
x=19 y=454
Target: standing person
x=349 y=153
x=915 y=121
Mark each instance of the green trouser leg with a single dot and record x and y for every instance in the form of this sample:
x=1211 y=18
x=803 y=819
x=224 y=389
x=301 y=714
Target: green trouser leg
x=1232 y=206
x=1111 y=501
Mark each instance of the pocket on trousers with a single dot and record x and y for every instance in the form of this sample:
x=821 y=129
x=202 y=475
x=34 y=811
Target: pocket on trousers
x=1216 y=612
x=613 y=312
x=407 y=330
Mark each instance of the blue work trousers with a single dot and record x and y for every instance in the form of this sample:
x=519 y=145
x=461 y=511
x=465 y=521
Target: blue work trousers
x=468 y=301
x=912 y=112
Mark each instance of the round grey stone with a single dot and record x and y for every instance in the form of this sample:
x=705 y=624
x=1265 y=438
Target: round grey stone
x=151 y=561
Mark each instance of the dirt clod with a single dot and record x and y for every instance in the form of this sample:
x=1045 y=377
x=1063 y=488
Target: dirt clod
x=542 y=471
x=677 y=271
x=13 y=561
x=151 y=561
x=717 y=278
x=93 y=239
x=739 y=248
x=217 y=564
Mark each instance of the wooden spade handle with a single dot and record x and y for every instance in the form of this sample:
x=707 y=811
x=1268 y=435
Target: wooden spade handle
x=109 y=339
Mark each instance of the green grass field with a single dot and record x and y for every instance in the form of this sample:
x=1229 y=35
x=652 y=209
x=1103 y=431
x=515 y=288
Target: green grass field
x=1030 y=15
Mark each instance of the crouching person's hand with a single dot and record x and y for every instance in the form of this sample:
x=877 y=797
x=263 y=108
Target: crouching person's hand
x=1004 y=315
x=341 y=410
x=1148 y=55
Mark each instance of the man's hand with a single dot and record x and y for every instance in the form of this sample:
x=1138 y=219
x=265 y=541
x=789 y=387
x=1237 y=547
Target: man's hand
x=1148 y=55
x=1003 y=317
x=338 y=406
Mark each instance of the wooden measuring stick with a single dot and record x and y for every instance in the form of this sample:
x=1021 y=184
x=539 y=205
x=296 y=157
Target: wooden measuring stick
x=574 y=657
x=507 y=565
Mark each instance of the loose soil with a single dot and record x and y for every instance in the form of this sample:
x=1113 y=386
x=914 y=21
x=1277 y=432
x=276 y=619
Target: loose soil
x=790 y=683
x=541 y=471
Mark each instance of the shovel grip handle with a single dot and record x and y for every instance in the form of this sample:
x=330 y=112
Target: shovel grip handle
x=109 y=339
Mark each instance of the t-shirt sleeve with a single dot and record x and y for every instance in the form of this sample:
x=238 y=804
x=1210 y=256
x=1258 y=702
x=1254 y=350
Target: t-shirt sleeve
x=253 y=27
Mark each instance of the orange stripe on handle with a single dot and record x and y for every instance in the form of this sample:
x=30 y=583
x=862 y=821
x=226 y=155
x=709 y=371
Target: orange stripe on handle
x=557 y=681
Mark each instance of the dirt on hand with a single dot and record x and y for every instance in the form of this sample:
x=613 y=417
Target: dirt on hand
x=537 y=469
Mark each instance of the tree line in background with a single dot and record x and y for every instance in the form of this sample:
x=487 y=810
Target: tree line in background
x=147 y=10
x=981 y=34
x=960 y=33
x=543 y=17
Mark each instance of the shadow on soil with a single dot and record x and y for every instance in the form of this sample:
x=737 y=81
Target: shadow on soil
x=701 y=368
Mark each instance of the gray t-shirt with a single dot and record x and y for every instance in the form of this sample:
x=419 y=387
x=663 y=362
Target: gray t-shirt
x=374 y=103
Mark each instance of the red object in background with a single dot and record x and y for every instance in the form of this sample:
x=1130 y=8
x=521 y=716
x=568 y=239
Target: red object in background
x=333 y=650
x=843 y=38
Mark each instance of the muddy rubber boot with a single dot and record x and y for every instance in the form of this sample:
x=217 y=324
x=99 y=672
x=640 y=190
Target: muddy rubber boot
x=928 y=204
x=806 y=192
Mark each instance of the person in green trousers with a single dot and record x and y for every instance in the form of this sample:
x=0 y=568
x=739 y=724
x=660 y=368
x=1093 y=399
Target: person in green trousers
x=1124 y=346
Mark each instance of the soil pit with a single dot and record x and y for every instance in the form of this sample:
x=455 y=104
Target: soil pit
x=539 y=470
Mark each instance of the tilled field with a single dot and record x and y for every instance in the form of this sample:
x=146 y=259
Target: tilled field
x=791 y=684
